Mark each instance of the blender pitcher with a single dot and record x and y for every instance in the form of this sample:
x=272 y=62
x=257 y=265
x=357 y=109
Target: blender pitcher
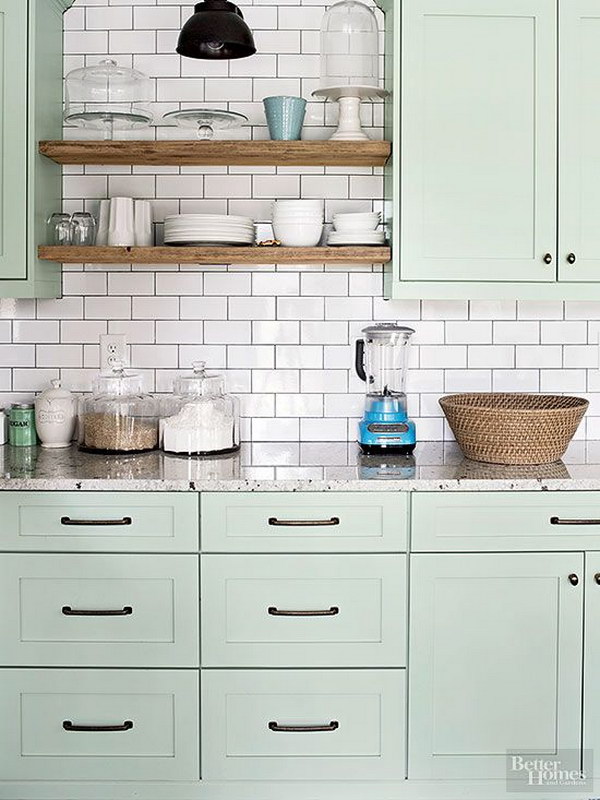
x=381 y=361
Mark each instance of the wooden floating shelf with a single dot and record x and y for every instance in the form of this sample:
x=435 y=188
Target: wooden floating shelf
x=220 y=153
x=215 y=255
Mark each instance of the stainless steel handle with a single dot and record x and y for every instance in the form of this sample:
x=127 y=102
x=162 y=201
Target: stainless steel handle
x=573 y=579
x=275 y=726
x=328 y=612
x=69 y=521
x=559 y=521
x=71 y=728
x=126 y=611
x=303 y=523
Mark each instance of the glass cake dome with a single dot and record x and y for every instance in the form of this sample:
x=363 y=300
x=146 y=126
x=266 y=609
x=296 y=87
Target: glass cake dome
x=108 y=97
x=349 y=46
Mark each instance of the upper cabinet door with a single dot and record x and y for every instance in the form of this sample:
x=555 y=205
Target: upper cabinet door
x=579 y=135
x=13 y=138
x=478 y=140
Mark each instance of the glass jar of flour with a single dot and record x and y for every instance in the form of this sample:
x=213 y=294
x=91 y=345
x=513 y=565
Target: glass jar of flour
x=200 y=419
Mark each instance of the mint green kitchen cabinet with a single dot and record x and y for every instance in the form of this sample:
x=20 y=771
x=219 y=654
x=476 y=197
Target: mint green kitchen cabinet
x=478 y=166
x=579 y=161
x=30 y=110
x=495 y=660
x=503 y=521
x=347 y=724
x=591 y=695
x=313 y=522
x=116 y=522
x=99 y=610
x=492 y=190
x=304 y=610
x=150 y=721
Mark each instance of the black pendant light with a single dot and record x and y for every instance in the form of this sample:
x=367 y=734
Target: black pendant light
x=216 y=30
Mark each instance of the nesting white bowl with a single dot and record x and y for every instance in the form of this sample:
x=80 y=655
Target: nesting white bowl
x=298 y=234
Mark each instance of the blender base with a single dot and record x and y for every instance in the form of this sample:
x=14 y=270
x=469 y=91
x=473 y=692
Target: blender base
x=392 y=449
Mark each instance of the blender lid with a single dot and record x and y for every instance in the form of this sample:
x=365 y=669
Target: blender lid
x=385 y=330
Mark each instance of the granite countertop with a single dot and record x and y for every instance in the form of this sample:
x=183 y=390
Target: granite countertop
x=283 y=466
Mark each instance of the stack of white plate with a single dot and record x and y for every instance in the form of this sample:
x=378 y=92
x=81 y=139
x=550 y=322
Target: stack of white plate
x=357 y=229
x=208 y=229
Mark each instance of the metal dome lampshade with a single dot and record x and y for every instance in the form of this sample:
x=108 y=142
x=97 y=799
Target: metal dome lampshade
x=216 y=30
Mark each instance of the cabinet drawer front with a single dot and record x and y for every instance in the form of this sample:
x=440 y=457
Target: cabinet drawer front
x=447 y=521
x=358 y=716
x=274 y=522
x=307 y=610
x=99 y=610
x=131 y=521
x=154 y=713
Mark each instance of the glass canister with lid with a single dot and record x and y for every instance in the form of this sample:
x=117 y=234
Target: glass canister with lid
x=200 y=418
x=118 y=417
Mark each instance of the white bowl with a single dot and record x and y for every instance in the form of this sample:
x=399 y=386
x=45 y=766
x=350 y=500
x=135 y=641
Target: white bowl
x=292 y=234
x=356 y=222
x=311 y=206
x=300 y=218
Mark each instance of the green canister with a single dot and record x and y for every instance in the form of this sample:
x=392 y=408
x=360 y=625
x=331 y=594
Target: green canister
x=21 y=425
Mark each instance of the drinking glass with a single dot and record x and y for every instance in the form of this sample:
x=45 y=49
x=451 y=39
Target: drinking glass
x=59 y=229
x=83 y=227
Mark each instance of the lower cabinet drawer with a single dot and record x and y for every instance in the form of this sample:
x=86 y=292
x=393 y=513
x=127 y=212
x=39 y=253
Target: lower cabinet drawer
x=99 y=725
x=303 y=724
x=304 y=610
x=120 y=522
x=99 y=610
x=505 y=521
x=310 y=522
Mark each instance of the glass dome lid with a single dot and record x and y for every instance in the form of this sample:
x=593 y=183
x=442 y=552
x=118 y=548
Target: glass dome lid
x=107 y=96
x=199 y=382
x=349 y=46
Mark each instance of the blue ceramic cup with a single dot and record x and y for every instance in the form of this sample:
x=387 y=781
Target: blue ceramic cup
x=285 y=117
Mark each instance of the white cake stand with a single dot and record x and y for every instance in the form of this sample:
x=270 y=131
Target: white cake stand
x=349 y=98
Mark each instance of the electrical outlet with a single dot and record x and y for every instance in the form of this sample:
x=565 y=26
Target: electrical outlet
x=113 y=351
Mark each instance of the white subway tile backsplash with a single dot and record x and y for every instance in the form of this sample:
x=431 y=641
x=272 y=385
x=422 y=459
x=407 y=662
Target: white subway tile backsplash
x=283 y=336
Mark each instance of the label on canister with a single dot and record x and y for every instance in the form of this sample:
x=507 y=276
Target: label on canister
x=21 y=426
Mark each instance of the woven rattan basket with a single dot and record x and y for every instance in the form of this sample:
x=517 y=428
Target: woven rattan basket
x=513 y=428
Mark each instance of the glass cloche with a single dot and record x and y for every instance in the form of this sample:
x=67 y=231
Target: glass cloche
x=118 y=417
x=349 y=46
x=200 y=419
x=108 y=97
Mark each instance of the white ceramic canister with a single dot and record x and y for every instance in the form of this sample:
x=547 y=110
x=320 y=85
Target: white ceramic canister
x=56 y=416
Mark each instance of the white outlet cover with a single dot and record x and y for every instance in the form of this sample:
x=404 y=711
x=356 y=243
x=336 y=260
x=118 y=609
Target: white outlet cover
x=113 y=351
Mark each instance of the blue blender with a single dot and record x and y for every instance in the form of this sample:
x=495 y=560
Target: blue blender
x=381 y=361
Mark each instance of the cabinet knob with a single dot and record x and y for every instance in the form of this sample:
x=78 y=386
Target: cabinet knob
x=548 y=258
x=571 y=258
x=597 y=578
x=573 y=579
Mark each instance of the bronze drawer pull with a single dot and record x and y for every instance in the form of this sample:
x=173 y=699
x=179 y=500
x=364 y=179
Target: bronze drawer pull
x=326 y=612
x=597 y=578
x=303 y=523
x=559 y=521
x=275 y=726
x=68 y=726
x=69 y=521
x=573 y=579
x=126 y=611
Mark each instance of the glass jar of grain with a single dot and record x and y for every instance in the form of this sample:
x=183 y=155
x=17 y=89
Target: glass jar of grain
x=118 y=417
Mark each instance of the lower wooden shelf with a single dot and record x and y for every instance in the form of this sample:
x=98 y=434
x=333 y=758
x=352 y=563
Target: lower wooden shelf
x=215 y=255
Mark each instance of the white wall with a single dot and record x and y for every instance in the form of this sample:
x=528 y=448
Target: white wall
x=284 y=335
